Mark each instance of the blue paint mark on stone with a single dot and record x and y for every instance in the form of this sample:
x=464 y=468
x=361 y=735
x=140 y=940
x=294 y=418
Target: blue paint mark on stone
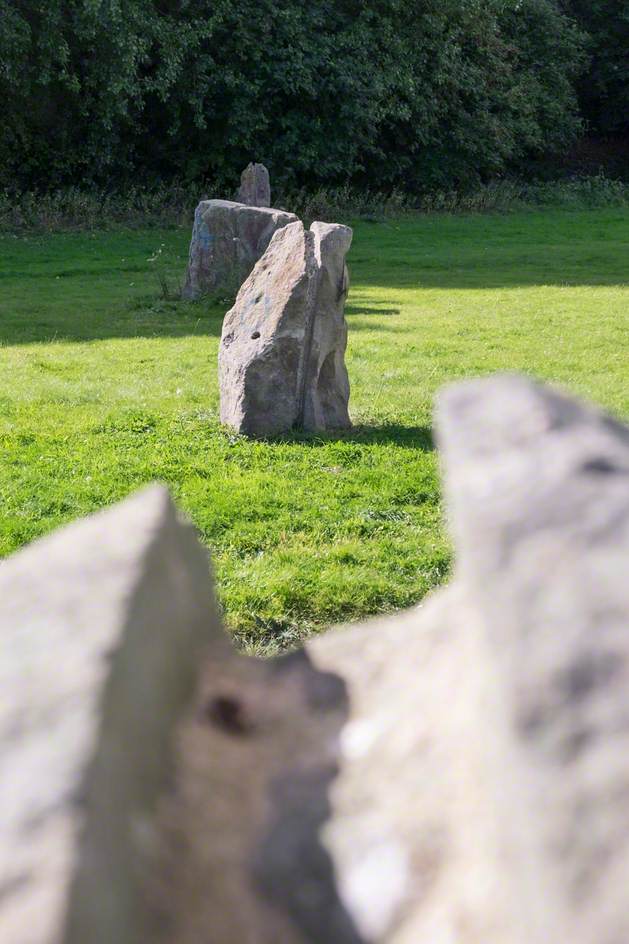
x=201 y=234
x=205 y=237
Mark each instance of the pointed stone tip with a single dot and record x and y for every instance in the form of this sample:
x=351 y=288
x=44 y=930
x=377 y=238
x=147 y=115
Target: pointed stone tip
x=154 y=492
x=341 y=235
x=522 y=461
x=151 y=501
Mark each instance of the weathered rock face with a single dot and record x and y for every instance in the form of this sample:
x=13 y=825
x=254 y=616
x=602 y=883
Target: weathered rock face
x=255 y=186
x=326 y=389
x=281 y=359
x=227 y=241
x=258 y=756
x=102 y=627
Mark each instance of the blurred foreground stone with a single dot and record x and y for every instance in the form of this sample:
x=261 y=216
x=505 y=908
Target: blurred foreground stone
x=457 y=773
x=282 y=353
x=227 y=240
x=102 y=628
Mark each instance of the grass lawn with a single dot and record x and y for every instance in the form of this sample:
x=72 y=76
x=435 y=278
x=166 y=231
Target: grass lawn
x=105 y=386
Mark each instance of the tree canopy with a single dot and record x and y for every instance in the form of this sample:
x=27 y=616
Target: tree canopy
x=384 y=93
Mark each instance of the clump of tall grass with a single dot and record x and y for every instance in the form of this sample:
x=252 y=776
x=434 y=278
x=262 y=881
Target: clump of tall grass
x=167 y=205
x=345 y=203
x=75 y=208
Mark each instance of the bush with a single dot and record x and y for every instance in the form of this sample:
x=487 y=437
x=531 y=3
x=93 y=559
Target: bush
x=385 y=94
x=80 y=208
x=604 y=89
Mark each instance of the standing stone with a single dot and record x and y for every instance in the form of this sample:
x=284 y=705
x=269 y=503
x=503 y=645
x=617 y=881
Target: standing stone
x=102 y=627
x=326 y=390
x=227 y=241
x=255 y=186
x=281 y=359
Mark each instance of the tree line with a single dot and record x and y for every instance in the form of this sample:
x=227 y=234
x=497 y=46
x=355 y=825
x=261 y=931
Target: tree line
x=409 y=94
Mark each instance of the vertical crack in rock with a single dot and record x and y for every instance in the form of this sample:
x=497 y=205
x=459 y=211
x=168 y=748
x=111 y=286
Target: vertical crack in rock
x=291 y=868
x=313 y=274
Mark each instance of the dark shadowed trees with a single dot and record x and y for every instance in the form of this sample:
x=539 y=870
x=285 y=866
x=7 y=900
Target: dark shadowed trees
x=384 y=93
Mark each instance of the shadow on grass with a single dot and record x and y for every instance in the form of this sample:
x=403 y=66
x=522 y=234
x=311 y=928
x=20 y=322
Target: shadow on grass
x=143 y=320
x=73 y=292
x=410 y=437
x=365 y=310
x=148 y=319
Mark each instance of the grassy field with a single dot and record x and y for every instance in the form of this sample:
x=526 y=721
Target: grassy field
x=105 y=385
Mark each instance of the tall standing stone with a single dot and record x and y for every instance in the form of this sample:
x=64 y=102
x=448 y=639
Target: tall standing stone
x=102 y=628
x=281 y=359
x=326 y=387
x=227 y=240
x=255 y=186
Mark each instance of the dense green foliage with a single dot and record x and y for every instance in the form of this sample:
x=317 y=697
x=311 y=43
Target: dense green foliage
x=604 y=89
x=421 y=94
x=105 y=385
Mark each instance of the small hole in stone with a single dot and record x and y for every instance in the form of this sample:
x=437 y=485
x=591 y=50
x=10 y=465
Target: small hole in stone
x=601 y=465
x=255 y=335
x=228 y=713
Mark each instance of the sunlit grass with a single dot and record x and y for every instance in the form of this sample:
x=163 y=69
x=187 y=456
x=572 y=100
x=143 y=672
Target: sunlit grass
x=104 y=386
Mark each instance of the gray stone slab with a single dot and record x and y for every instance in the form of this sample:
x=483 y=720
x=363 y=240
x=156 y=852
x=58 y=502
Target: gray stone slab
x=102 y=626
x=227 y=240
x=538 y=489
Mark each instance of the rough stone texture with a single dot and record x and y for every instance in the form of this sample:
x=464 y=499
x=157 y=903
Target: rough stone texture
x=483 y=791
x=227 y=240
x=255 y=186
x=257 y=758
x=281 y=359
x=326 y=389
x=102 y=628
